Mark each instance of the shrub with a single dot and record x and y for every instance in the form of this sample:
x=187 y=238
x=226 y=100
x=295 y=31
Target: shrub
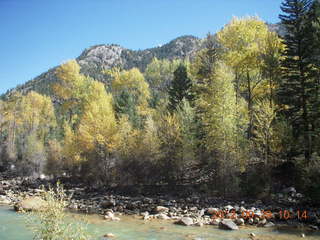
x=51 y=223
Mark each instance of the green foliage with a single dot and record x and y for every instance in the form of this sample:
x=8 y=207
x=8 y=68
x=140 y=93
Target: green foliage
x=250 y=49
x=253 y=182
x=180 y=88
x=296 y=86
x=248 y=101
x=171 y=163
x=132 y=94
x=51 y=222
x=308 y=175
x=27 y=129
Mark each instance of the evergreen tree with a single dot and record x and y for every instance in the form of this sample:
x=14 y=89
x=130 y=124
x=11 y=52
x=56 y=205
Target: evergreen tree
x=296 y=86
x=201 y=70
x=313 y=33
x=180 y=87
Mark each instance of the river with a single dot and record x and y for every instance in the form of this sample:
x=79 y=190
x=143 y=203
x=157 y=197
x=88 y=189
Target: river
x=12 y=227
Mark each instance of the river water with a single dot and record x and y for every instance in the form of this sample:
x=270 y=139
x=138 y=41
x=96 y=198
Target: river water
x=12 y=227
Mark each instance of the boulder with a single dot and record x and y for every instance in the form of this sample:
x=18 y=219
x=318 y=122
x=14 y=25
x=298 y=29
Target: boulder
x=30 y=204
x=110 y=216
x=228 y=207
x=262 y=222
x=4 y=200
x=269 y=224
x=161 y=209
x=313 y=227
x=186 y=221
x=109 y=235
x=108 y=204
x=2 y=191
x=163 y=216
x=289 y=190
x=228 y=224
x=239 y=221
x=115 y=219
x=215 y=221
x=212 y=211
x=199 y=224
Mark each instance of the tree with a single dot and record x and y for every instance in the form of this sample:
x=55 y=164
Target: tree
x=97 y=135
x=313 y=32
x=186 y=116
x=55 y=162
x=11 y=122
x=271 y=68
x=171 y=163
x=202 y=69
x=71 y=91
x=264 y=134
x=180 y=88
x=296 y=85
x=244 y=42
x=28 y=129
x=41 y=118
x=159 y=75
x=138 y=152
x=220 y=123
x=131 y=87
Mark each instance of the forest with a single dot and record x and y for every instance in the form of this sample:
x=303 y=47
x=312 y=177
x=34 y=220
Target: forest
x=242 y=118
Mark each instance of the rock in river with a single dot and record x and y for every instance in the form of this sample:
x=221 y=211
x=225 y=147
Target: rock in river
x=30 y=204
x=186 y=221
x=228 y=224
x=161 y=209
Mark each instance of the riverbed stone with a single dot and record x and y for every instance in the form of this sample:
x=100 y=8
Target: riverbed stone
x=30 y=204
x=228 y=224
x=163 y=216
x=115 y=219
x=161 y=209
x=212 y=211
x=215 y=221
x=4 y=200
x=262 y=222
x=108 y=204
x=109 y=235
x=239 y=221
x=269 y=225
x=186 y=221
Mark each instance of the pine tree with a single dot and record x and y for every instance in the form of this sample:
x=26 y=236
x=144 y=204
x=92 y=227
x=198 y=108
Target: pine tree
x=296 y=85
x=201 y=70
x=180 y=87
x=313 y=33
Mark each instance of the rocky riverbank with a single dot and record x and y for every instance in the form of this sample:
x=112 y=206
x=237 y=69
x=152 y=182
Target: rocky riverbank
x=193 y=210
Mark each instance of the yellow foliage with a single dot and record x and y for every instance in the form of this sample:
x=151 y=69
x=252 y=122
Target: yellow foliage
x=37 y=112
x=244 y=39
x=133 y=82
x=98 y=125
x=70 y=80
x=252 y=51
x=71 y=150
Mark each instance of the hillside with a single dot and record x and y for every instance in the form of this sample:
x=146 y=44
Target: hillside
x=96 y=58
x=105 y=56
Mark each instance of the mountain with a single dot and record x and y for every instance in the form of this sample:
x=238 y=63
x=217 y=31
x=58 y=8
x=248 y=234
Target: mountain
x=278 y=28
x=96 y=58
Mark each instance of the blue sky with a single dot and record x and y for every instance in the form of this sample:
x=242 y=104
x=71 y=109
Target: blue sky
x=36 y=35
